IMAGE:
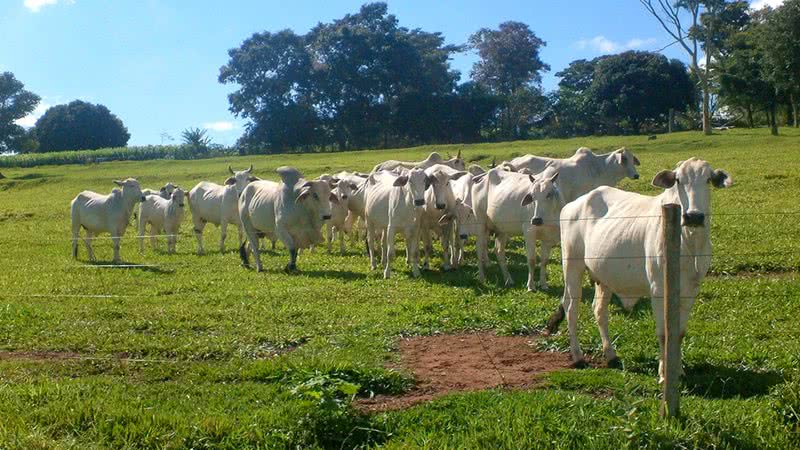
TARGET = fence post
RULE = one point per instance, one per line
(672, 296)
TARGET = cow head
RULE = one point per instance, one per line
(439, 177)
(240, 178)
(464, 217)
(317, 196)
(545, 198)
(131, 189)
(177, 196)
(456, 163)
(627, 162)
(691, 181)
(417, 181)
(166, 191)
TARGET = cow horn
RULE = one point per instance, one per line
(230, 170)
(250, 169)
(458, 156)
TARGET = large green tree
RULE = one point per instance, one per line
(780, 45)
(510, 66)
(15, 103)
(79, 125)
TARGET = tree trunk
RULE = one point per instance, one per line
(749, 112)
(707, 89)
(793, 100)
(671, 120)
(773, 123)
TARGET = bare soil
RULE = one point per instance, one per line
(467, 362)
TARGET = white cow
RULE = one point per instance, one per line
(601, 233)
(165, 192)
(164, 216)
(439, 213)
(456, 163)
(583, 171)
(212, 203)
(394, 204)
(293, 210)
(343, 189)
(98, 213)
(513, 204)
(466, 221)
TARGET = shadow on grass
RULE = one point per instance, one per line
(720, 382)
(152, 268)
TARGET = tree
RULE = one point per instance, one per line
(79, 125)
(510, 66)
(15, 103)
(196, 137)
(780, 45)
(640, 87)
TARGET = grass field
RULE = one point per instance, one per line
(194, 351)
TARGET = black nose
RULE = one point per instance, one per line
(636, 177)
(694, 219)
(143, 199)
(419, 202)
(344, 197)
(537, 221)
(438, 206)
(463, 236)
(326, 217)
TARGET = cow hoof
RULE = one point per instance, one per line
(290, 268)
(531, 288)
(614, 363)
(580, 364)
(544, 286)
(555, 320)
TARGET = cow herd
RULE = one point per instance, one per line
(613, 234)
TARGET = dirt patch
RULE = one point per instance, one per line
(38, 356)
(467, 362)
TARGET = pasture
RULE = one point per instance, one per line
(196, 351)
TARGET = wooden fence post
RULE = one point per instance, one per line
(672, 296)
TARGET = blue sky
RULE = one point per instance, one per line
(155, 63)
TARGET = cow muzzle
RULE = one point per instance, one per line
(143, 199)
(420, 202)
(635, 176)
(537, 221)
(694, 219)
(463, 236)
(326, 217)
(344, 197)
(440, 206)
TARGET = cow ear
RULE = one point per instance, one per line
(721, 179)
(527, 200)
(353, 186)
(333, 198)
(230, 181)
(252, 178)
(636, 161)
(119, 183)
(304, 193)
(334, 182)
(400, 181)
(664, 179)
(532, 178)
(457, 175)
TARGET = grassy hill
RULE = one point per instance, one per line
(194, 351)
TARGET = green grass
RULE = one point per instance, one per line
(222, 357)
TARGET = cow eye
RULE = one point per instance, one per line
(316, 197)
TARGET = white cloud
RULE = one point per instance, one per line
(30, 120)
(219, 126)
(36, 5)
(758, 4)
(604, 45)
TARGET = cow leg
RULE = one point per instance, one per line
(500, 242)
(389, 251)
(412, 240)
(288, 241)
(342, 236)
(573, 289)
(329, 236)
(371, 236)
(87, 240)
(198, 233)
(482, 250)
(115, 239)
(223, 230)
(427, 247)
(530, 252)
(657, 304)
(544, 260)
(141, 231)
(446, 254)
(154, 231)
(602, 297)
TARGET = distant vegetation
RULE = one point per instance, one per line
(112, 154)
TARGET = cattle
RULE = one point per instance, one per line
(163, 216)
(466, 220)
(343, 189)
(213, 203)
(475, 169)
(513, 204)
(439, 213)
(165, 192)
(583, 171)
(98, 213)
(434, 158)
(293, 210)
(394, 204)
(617, 237)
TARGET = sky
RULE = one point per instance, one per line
(155, 63)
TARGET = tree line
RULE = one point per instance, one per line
(365, 81)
